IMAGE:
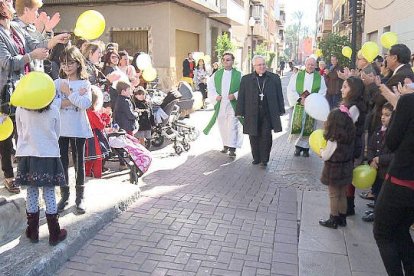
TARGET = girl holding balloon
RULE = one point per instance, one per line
(339, 163)
(379, 156)
(353, 99)
(40, 166)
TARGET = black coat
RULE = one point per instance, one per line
(146, 118)
(124, 114)
(400, 139)
(248, 102)
(378, 147)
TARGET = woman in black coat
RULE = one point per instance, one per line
(394, 209)
(260, 102)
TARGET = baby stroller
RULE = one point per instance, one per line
(167, 129)
(131, 152)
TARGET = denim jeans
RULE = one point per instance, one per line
(78, 156)
(394, 214)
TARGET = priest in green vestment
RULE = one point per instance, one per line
(300, 86)
(222, 91)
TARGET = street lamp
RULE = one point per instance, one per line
(252, 22)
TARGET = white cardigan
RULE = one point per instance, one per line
(74, 120)
(38, 132)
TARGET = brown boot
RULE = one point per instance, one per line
(56, 234)
(32, 230)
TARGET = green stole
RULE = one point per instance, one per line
(234, 87)
(299, 109)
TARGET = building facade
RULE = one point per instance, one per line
(342, 19)
(324, 16)
(168, 30)
(384, 15)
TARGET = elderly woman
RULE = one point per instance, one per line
(17, 49)
(322, 68)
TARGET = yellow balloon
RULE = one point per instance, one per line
(90, 25)
(389, 39)
(6, 127)
(78, 32)
(149, 74)
(347, 51)
(370, 51)
(363, 176)
(318, 52)
(34, 91)
(317, 141)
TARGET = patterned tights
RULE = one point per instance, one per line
(32, 201)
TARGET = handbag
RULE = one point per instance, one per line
(6, 93)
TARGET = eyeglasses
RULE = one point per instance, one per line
(68, 64)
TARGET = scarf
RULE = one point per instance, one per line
(234, 87)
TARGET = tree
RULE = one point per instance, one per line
(223, 45)
(298, 15)
(269, 56)
(291, 40)
(332, 45)
(261, 50)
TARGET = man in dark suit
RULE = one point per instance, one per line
(260, 103)
(398, 61)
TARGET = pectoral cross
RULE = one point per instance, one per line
(261, 95)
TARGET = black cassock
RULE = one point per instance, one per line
(260, 102)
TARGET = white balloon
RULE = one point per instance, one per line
(198, 100)
(197, 56)
(317, 106)
(144, 61)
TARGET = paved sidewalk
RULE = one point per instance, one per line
(209, 216)
(349, 250)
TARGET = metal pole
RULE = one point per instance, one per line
(251, 50)
(354, 30)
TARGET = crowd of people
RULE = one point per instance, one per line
(98, 91)
(371, 120)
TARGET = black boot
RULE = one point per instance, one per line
(64, 196)
(305, 152)
(332, 222)
(297, 151)
(56, 235)
(232, 152)
(350, 209)
(225, 149)
(32, 230)
(342, 220)
(80, 200)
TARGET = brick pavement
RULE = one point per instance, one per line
(217, 218)
(207, 215)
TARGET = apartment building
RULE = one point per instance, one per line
(324, 16)
(169, 29)
(384, 15)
